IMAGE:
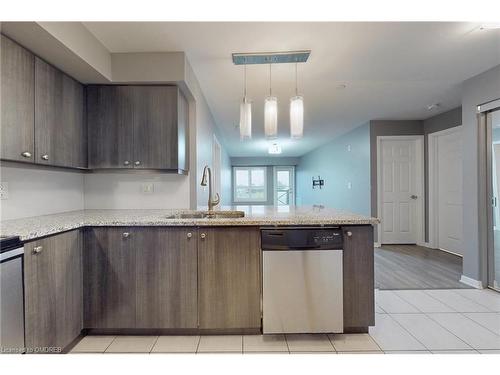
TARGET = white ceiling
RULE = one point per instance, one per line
(392, 70)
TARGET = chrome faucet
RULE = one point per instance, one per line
(207, 180)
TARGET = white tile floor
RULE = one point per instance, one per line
(409, 321)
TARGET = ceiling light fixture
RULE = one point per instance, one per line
(433, 106)
(274, 149)
(490, 26)
(271, 112)
(245, 113)
(296, 112)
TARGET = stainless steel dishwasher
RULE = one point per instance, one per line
(302, 280)
(11, 296)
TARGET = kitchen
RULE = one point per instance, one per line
(150, 205)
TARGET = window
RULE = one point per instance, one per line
(249, 184)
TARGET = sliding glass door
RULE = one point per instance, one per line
(284, 186)
(493, 139)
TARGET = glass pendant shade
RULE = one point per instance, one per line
(271, 117)
(245, 119)
(297, 117)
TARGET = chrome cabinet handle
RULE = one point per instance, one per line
(26, 154)
(203, 236)
(45, 157)
(137, 162)
(348, 233)
(189, 235)
(126, 234)
(126, 162)
(37, 249)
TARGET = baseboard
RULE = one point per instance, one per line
(376, 244)
(471, 282)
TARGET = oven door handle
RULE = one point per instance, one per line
(4, 257)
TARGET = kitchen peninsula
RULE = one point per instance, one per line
(145, 271)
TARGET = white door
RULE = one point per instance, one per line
(449, 179)
(284, 186)
(399, 190)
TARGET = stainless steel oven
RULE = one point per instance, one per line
(302, 280)
(11, 296)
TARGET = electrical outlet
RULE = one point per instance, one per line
(4, 190)
(148, 188)
(348, 148)
(349, 185)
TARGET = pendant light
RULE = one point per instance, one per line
(245, 113)
(271, 112)
(296, 112)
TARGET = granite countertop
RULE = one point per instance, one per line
(40, 226)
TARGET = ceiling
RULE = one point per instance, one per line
(391, 70)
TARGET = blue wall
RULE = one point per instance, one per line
(337, 167)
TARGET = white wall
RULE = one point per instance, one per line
(36, 191)
(125, 190)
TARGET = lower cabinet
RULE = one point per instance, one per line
(142, 277)
(53, 291)
(229, 278)
(172, 278)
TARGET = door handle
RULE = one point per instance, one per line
(413, 196)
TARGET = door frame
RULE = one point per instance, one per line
(217, 172)
(419, 169)
(433, 184)
(292, 168)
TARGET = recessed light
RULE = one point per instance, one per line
(432, 106)
(274, 149)
(489, 26)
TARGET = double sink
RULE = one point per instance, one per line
(207, 215)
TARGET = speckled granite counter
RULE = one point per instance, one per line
(39, 226)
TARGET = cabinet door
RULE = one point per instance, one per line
(39, 294)
(17, 102)
(166, 277)
(110, 126)
(53, 290)
(229, 278)
(68, 286)
(155, 127)
(109, 265)
(359, 298)
(60, 132)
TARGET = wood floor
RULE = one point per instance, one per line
(416, 267)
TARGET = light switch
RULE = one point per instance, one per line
(4, 190)
(148, 188)
(348, 148)
(349, 185)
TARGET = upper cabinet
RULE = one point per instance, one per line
(17, 102)
(60, 129)
(140, 127)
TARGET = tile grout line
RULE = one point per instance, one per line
(470, 299)
(198, 346)
(446, 329)
(425, 346)
(463, 314)
(331, 343)
(107, 347)
(154, 344)
(286, 342)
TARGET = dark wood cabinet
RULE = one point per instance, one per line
(53, 291)
(109, 118)
(359, 298)
(60, 129)
(142, 127)
(140, 278)
(17, 102)
(109, 269)
(229, 278)
(166, 278)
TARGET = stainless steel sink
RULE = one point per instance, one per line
(207, 215)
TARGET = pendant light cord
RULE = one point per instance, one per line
(296, 84)
(270, 81)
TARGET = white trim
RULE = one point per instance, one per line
(376, 244)
(419, 169)
(488, 106)
(217, 171)
(471, 282)
(433, 182)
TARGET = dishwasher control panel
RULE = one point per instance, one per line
(302, 238)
